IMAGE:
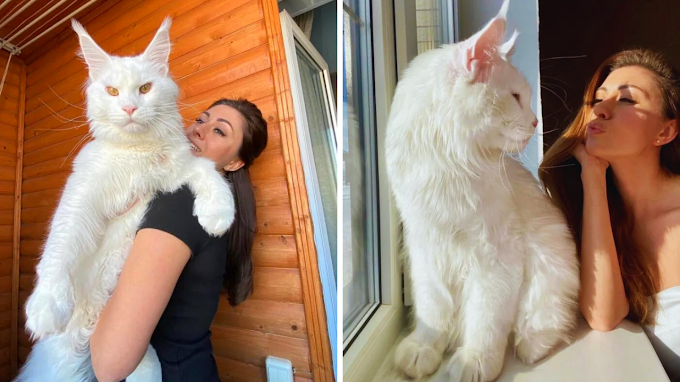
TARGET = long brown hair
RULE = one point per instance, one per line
(238, 276)
(560, 174)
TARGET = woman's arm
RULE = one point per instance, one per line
(603, 299)
(146, 283)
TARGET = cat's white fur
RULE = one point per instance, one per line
(489, 254)
(92, 230)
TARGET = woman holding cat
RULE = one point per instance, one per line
(622, 201)
(169, 288)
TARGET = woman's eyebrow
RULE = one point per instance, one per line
(227, 122)
(623, 87)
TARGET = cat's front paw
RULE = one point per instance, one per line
(48, 310)
(532, 347)
(415, 359)
(215, 215)
(466, 366)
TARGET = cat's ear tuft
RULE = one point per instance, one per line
(158, 50)
(96, 58)
(508, 48)
(483, 48)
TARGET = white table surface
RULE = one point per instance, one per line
(622, 355)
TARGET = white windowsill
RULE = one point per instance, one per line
(373, 343)
(622, 355)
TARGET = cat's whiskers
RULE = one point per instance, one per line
(562, 57)
(59, 116)
(557, 166)
(163, 128)
(65, 101)
(563, 101)
(66, 128)
(75, 148)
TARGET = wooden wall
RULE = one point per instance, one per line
(10, 99)
(220, 49)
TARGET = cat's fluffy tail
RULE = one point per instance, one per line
(52, 360)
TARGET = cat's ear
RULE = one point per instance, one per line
(158, 50)
(97, 60)
(508, 48)
(483, 47)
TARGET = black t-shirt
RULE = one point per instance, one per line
(182, 336)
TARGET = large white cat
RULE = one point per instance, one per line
(138, 149)
(488, 253)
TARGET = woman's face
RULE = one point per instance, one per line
(217, 134)
(627, 116)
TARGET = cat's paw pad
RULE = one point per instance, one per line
(416, 360)
(215, 216)
(48, 311)
(533, 348)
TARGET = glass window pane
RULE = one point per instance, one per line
(433, 24)
(360, 270)
(323, 143)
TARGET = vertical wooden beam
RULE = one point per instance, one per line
(17, 222)
(315, 314)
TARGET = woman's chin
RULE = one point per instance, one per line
(595, 148)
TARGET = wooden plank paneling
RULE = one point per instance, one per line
(252, 347)
(11, 125)
(220, 50)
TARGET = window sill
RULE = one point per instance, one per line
(624, 354)
(372, 345)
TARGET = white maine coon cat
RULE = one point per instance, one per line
(139, 149)
(489, 254)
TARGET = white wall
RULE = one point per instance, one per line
(523, 16)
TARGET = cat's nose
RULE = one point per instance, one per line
(535, 122)
(130, 109)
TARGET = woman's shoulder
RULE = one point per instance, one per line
(172, 212)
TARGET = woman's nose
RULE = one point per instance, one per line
(198, 132)
(601, 110)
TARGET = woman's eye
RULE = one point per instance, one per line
(218, 131)
(198, 120)
(628, 100)
(516, 96)
(595, 102)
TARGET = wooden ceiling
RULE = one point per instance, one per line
(26, 19)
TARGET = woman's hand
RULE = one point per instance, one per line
(592, 167)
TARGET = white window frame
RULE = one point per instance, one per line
(393, 48)
(363, 357)
(291, 34)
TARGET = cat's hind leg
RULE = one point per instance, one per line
(548, 305)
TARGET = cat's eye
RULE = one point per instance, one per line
(111, 90)
(145, 88)
(516, 95)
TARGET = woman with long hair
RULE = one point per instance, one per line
(169, 287)
(614, 174)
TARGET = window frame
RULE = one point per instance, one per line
(373, 343)
(292, 34)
